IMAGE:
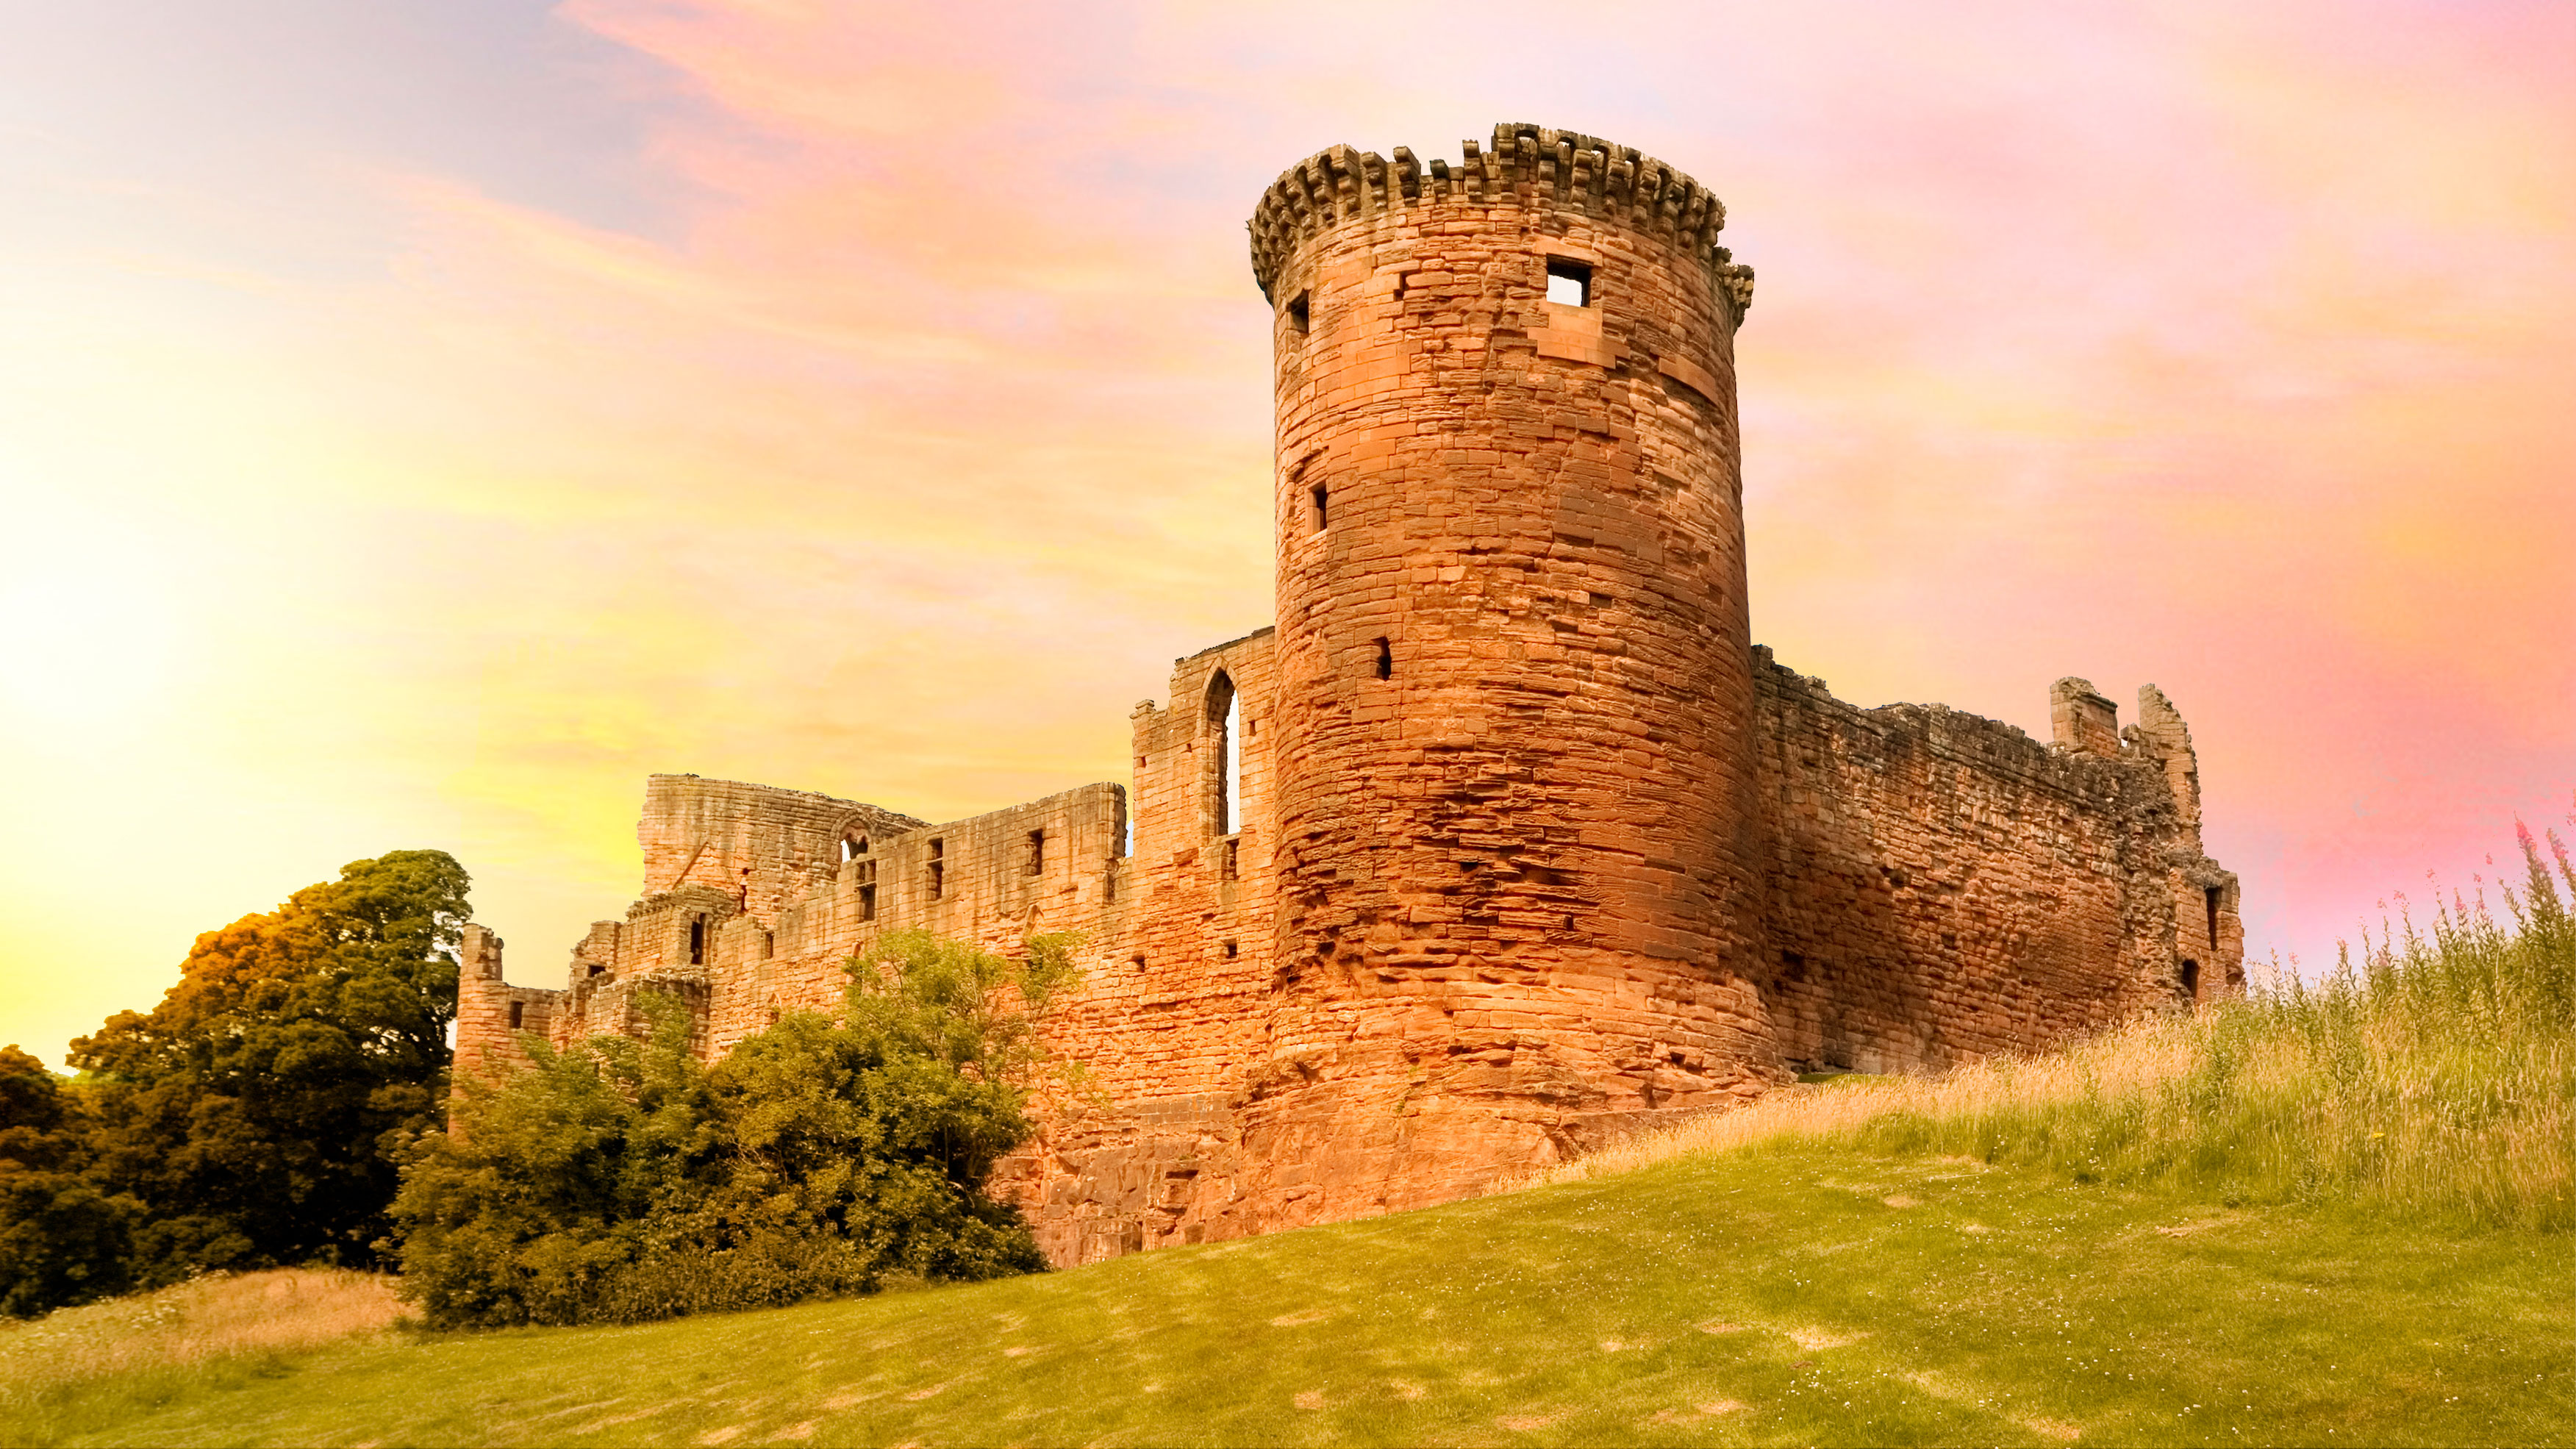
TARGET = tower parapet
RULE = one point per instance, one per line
(1524, 165)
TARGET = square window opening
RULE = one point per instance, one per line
(1322, 516)
(1569, 282)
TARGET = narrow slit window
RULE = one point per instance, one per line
(1385, 660)
(1233, 868)
(1322, 514)
(1300, 314)
(1569, 282)
(938, 868)
(1037, 852)
(2211, 895)
(697, 940)
(518, 1015)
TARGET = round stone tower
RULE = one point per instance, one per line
(1518, 843)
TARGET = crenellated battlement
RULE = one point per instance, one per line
(1524, 165)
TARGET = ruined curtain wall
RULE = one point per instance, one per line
(1944, 887)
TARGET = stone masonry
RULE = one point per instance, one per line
(1507, 840)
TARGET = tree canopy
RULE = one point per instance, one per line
(253, 1114)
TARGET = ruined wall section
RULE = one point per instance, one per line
(491, 1013)
(765, 846)
(1944, 887)
(1175, 1006)
(993, 879)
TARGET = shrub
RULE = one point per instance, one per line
(621, 1180)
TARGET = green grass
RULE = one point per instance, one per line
(1782, 1294)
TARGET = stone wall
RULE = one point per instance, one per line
(767, 845)
(1943, 887)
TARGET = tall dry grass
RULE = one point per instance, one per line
(197, 1325)
(2433, 1072)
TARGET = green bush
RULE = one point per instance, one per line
(622, 1180)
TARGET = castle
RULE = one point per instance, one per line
(1506, 840)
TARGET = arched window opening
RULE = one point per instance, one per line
(1225, 756)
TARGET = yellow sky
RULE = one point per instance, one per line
(415, 430)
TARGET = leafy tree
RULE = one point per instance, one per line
(255, 1112)
(62, 1239)
(622, 1180)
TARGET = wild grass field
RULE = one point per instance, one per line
(2339, 1212)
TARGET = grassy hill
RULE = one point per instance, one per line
(1791, 1294)
(2341, 1212)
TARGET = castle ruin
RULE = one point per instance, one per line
(1506, 840)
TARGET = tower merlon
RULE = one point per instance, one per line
(2082, 720)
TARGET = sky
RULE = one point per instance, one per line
(420, 422)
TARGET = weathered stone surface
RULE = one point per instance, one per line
(1533, 847)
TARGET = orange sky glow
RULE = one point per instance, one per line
(417, 428)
